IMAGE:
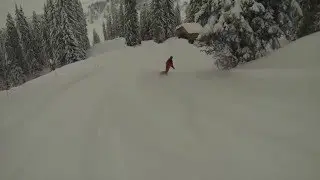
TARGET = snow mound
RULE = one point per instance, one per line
(191, 27)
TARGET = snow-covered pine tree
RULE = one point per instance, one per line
(2, 59)
(287, 13)
(239, 31)
(205, 12)
(3, 36)
(193, 7)
(145, 23)
(266, 30)
(306, 21)
(112, 9)
(96, 38)
(131, 23)
(51, 5)
(66, 47)
(115, 19)
(316, 21)
(2, 41)
(121, 20)
(109, 28)
(311, 20)
(158, 31)
(27, 41)
(104, 30)
(79, 27)
(177, 14)
(38, 39)
(12, 30)
(82, 26)
(47, 16)
(169, 18)
(13, 72)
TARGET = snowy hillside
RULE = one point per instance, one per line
(113, 117)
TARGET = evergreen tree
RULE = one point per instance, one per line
(131, 23)
(13, 47)
(316, 21)
(3, 36)
(82, 26)
(2, 48)
(177, 14)
(311, 20)
(13, 73)
(27, 40)
(47, 29)
(117, 23)
(121, 20)
(79, 27)
(38, 39)
(158, 31)
(145, 23)
(193, 7)
(2, 57)
(109, 28)
(169, 18)
(115, 19)
(104, 30)
(287, 14)
(96, 38)
(238, 32)
(203, 15)
(66, 47)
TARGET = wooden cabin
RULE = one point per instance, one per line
(189, 31)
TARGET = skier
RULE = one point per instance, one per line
(169, 64)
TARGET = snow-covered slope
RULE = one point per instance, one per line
(113, 117)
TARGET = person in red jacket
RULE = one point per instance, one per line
(169, 64)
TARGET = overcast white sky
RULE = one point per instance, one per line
(28, 6)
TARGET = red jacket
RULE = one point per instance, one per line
(169, 64)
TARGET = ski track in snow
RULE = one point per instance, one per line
(113, 117)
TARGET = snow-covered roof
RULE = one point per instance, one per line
(191, 27)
